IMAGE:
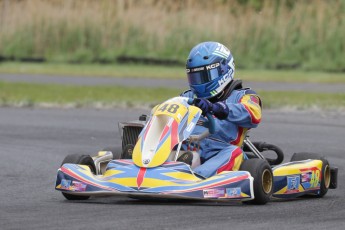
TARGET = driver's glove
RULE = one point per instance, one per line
(218, 109)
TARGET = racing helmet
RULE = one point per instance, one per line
(210, 68)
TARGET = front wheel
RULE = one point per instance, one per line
(261, 171)
(325, 171)
(81, 160)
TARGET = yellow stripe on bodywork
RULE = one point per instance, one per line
(244, 194)
(111, 172)
(147, 182)
(182, 176)
(293, 169)
(161, 155)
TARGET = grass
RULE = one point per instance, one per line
(305, 35)
(93, 70)
(145, 71)
(24, 94)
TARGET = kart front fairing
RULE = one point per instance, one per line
(171, 123)
(172, 180)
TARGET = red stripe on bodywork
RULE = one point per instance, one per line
(147, 129)
(309, 169)
(126, 161)
(76, 176)
(174, 134)
(231, 180)
(165, 131)
(140, 177)
(230, 164)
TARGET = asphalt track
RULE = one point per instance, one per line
(166, 83)
(33, 142)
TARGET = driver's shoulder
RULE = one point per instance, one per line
(245, 91)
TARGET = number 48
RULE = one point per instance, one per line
(171, 108)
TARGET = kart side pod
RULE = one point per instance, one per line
(304, 177)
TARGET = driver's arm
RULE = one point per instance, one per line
(247, 112)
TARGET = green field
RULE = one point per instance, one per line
(26, 94)
(262, 34)
(133, 70)
(23, 94)
(271, 41)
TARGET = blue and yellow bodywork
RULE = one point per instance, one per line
(150, 173)
(298, 178)
(171, 180)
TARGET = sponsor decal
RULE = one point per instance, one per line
(213, 193)
(73, 185)
(306, 177)
(202, 68)
(225, 78)
(233, 192)
(78, 186)
(310, 178)
(293, 183)
(65, 184)
(212, 66)
(197, 69)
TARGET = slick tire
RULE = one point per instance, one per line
(117, 151)
(82, 160)
(261, 171)
(325, 171)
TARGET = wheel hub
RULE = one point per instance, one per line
(267, 181)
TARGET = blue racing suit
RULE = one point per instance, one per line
(222, 151)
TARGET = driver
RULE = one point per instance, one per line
(210, 70)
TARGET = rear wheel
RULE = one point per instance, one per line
(261, 171)
(81, 160)
(325, 171)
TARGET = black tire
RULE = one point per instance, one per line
(325, 171)
(127, 152)
(261, 171)
(82, 160)
(263, 147)
(117, 152)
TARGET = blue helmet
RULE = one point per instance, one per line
(210, 68)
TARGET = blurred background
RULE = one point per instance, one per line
(261, 34)
(271, 40)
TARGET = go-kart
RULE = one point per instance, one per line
(147, 165)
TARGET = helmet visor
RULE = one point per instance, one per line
(203, 74)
